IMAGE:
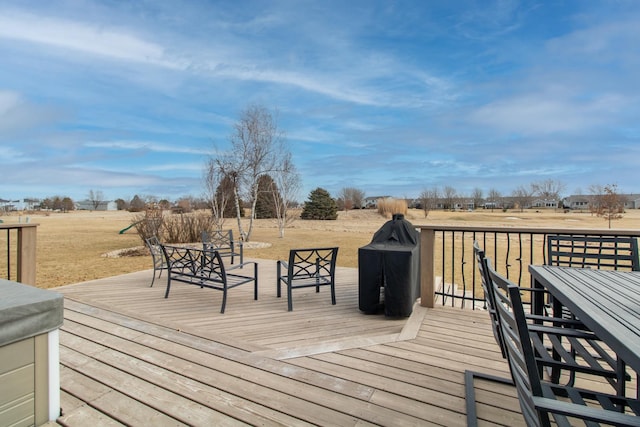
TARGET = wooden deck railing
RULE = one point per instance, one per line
(448, 270)
(19, 261)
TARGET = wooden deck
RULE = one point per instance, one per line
(129, 356)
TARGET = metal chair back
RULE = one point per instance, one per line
(159, 260)
(601, 252)
(488, 294)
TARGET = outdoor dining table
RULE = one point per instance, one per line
(606, 301)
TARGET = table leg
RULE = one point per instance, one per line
(537, 299)
(621, 377)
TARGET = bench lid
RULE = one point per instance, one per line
(27, 311)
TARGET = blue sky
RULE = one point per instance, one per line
(391, 97)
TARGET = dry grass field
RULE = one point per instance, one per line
(73, 247)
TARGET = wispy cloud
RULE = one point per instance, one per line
(542, 114)
(148, 146)
(19, 115)
(77, 36)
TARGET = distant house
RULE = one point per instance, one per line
(465, 205)
(372, 202)
(31, 204)
(577, 202)
(88, 205)
(545, 203)
(632, 201)
(5, 205)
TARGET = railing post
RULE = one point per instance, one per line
(27, 254)
(427, 267)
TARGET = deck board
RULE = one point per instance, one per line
(129, 355)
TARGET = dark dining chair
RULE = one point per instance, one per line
(601, 252)
(307, 268)
(469, 375)
(540, 401)
(558, 344)
(486, 281)
(554, 340)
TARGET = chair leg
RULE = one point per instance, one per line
(333, 293)
(224, 301)
(470, 393)
(255, 281)
(166, 294)
(278, 277)
(289, 297)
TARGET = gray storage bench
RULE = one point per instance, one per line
(29, 354)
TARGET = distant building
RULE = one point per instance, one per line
(8, 205)
(579, 202)
(31, 204)
(544, 203)
(88, 205)
(372, 202)
(583, 202)
(632, 201)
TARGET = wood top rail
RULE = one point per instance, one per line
(428, 240)
(26, 251)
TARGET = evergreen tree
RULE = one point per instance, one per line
(225, 189)
(320, 206)
(267, 196)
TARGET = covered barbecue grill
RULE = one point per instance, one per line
(389, 269)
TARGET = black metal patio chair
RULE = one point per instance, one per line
(308, 268)
(159, 260)
(223, 242)
(541, 400)
(561, 344)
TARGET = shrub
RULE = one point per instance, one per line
(186, 228)
(179, 228)
(148, 225)
(389, 206)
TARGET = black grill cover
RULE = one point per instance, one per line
(391, 261)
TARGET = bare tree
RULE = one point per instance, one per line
(358, 197)
(595, 202)
(213, 176)
(477, 196)
(351, 198)
(67, 204)
(96, 198)
(612, 204)
(257, 144)
(287, 182)
(494, 199)
(450, 197)
(523, 196)
(549, 190)
(429, 199)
